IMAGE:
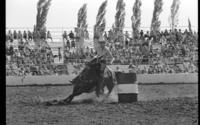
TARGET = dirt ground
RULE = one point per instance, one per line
(157, 105)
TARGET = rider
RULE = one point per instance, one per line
(107, 58)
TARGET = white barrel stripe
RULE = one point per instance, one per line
(127, 88)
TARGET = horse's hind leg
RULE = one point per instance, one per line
(68, 99)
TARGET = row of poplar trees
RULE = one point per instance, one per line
(118, 25)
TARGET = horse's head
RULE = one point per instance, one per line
(95, 63)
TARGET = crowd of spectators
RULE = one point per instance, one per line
(27, 35)
(166, 52)
(23, 58)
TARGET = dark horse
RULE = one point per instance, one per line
(90, 80)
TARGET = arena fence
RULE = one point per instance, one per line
(149, 79)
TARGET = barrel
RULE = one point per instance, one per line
(127, 87)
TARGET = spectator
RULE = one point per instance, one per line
(59, 54)
(68, 44)
(73, 44)
(10, 35)
(65, 36)
(49, 35)
(30, 35)
(43, 35)
(171, 50)
(147, 35)
(25, 35)
(71, 35)
(19, 35)
(141, 34)
(15, 34)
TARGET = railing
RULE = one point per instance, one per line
(57, 32)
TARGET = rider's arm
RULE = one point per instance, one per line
(110, 57)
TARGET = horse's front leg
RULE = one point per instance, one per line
(68, 99)
(99, 88)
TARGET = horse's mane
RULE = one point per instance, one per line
(88, 72)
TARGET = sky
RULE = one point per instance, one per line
(63, 13)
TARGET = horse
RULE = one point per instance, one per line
(89, 80)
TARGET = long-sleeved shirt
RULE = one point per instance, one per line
(106, 53)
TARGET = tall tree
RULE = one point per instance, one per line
(155, 23)
(100, 25)
(42, 11)
(81, 26)
(40, 27)
(119, 20)
(82, 16)
(173, 19)
(136, 19)
(189, 26)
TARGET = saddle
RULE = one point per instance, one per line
(108, 72)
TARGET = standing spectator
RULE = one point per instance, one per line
(141, 34)
(68, 44)
(64, 36)
(126, 39)
(71, 35)
(59, 54)
(30, 35)
(19, 35)
(10, 35)
(11, 50)
(15, 34)
(179, 35)
(25, 35)
(49, 35)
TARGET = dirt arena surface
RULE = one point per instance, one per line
(158, 105)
